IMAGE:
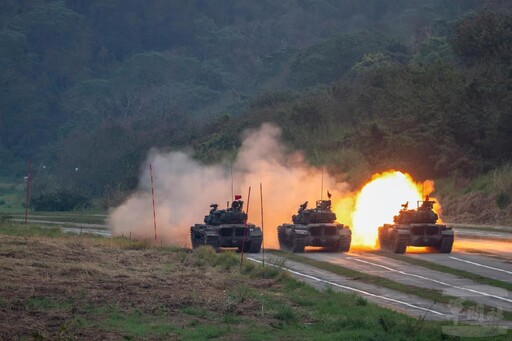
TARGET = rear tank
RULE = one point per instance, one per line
(314, 227)
(417, 227)
(227, 229)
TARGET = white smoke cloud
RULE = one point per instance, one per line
(184, 189)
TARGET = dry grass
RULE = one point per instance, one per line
(47, 284)
(483, 200)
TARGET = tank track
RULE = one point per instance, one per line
(295, 245)
(344, 243)
(255, 247)
(196, 242)
(446, 244)
(280, 238)
(395, 244)
(203, 240)
(250, 247)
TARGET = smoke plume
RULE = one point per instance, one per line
(184, 189)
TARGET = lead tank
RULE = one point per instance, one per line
(227, 228)
(416, 227)
(314, 227)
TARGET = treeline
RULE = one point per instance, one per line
(442, 110)
(88, 87)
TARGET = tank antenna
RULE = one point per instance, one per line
(27, 202)
(231, 166)
(322, 186)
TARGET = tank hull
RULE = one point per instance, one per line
(227, 236)
(396, 237)
(295, 237)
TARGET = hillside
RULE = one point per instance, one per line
(89, 87)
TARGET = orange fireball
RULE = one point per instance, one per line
(381, 199)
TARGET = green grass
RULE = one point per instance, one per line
(131, 325)
(11, 196)
(29, 230)
(85, 217)
(44, 304)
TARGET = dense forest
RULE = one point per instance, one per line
(89, 86)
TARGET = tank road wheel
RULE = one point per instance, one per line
(399, 245)
(297, 245)
(446, 244)
(344, 243)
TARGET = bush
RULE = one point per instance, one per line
(59, 201)
(503, 200)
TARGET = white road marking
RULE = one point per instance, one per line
(351, 288)
(434, 280)
(482, 265)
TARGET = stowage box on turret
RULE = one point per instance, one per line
(416, 227)
(314, 227)
(227, 228)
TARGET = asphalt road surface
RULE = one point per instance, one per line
(488, 258)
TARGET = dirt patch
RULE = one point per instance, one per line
(60, 288)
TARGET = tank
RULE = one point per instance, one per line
(227, 229)
(314, 227)
(416, 227)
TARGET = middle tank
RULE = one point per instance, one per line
(314, 227)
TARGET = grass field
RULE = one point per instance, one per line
(11, 197)
(55, 286)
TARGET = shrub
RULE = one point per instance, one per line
(59, 201)
(503, 200)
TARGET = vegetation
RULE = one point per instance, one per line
(88, 87)
(68, 286)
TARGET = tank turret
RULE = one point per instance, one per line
(314, 227)
(424, 214)
(321, 214)
(232, 215)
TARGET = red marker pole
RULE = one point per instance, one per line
(153, 195)
(262, 229)
(245, 228)
(27, 201)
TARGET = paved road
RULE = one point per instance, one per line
(409, 274)
(395, 300)
(484, 266)
(481, 227)
(482, 234)
(408, 304)
(492, 248)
